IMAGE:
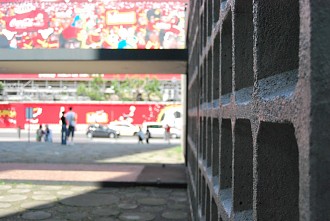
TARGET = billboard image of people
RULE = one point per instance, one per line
(13, 114)
(92, 24)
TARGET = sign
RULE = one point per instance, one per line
(29, 21)
(116, 17)
(29, 113)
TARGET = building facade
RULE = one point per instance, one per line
(258, 110)
(63, 86)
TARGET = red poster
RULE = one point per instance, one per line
(13, 114)
(7, 116)
(30, 21)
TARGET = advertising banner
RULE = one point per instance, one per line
(27, 22)
(93, 24)
(8, 116)
(15, 115)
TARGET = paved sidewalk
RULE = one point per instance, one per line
(90, 181)
(22, 202)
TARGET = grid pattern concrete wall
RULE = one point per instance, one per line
(258, 124)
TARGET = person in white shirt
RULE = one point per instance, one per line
(71, 118)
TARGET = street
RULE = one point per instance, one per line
(80, 137)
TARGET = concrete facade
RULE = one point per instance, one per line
(258, 110)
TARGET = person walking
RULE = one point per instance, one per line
(140, 135)
(167, 133)
(48, 134)
(64, 131)
(39, 133)
(71, 118)
(147, 135)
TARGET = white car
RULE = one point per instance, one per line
(124, 128)
(157, 129)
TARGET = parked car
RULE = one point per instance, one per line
(157, 130)
(124, 128)
(97, 130)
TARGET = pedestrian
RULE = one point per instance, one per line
(147, 135)
(71, 118)
(167, 133)
(140, 135)
(48, 134)
(64, 131)
(39, 133)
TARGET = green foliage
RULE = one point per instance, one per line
(82, 89)
(127, 90)
(96, 95)
(97, 82)
(1, 87)
(152, 87)
(115, 84)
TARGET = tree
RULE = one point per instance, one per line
(152, 88)
(1, 90)
(95, 92)
(82, 90)
(136, 89)
(95, 95)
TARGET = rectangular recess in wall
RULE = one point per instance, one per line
(209, 18)
(201, 84)
(206, 76)
(226, 153)
(192, 163)
(243, 51)
(277, 28)
(204, 196)
(243, 166)
(209, 76)
(226, 59)
(216, 70)
(208, 204)
(200, 33)
(200, 144)
(277, 196)
(203, 138)
(199, 187)
(195, 131)
(215, 151)
(209, 143)
(214, 211)
(205, 34)
(216, 11)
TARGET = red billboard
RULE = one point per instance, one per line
(92, 24)
(13, 114)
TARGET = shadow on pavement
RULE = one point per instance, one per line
(48, 181)
(80, 202)
(81, 153)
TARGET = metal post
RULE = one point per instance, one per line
(29, 131)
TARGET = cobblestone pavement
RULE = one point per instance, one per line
(20, 202)
(43, 196)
